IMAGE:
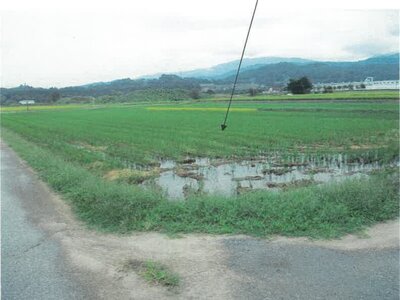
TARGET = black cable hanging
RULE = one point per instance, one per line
(223, 125)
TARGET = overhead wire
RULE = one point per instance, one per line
(223, 125)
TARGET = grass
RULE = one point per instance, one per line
(153, 272)
(157, 273)
(318, 211)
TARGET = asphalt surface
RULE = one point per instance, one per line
(282, 271)
(32, 266)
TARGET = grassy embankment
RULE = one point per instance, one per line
(72, 150)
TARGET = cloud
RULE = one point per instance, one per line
(70, 48)
(368, 49)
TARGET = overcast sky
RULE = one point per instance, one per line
(72, 48)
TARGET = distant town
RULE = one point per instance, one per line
(368, 84)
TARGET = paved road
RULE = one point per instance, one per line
(283, 271)
(32, 266)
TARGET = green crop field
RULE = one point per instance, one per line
(39, 107)
(144, 134)
(347, 95)
(75, 151)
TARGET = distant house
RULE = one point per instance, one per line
(27, 102)
(273, 90)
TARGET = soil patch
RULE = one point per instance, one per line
(131, 175)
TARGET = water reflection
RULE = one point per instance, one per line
(230, 178)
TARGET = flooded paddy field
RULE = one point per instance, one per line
(171, 147)
(131, 168)
(181, 179)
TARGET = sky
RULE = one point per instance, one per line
(66, 46)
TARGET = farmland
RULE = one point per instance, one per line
(40, 107)
(346, 95)
(96, 159)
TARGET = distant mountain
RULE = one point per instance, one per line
(225, 69)
(392, 58)
(385, 67)
(279, 69)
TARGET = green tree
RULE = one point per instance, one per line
(210, 92)
(54, 95)
(253, 92)
(299, 86)
(328, 89)
(194, 94)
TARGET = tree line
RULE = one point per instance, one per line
(113, 88)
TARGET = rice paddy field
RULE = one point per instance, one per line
(282, 161)
(22, 108)
(345, 95)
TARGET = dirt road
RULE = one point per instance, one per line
(48, 254)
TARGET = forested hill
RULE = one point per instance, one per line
(167, 83)
(381, 68)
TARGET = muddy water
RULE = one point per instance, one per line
(178, 180)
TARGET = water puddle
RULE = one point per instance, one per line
(203, 175)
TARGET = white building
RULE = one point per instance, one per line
(26, 102)
(367, 84)
(370, 84)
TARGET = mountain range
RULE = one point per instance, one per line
(276, 64)
(263, 71)
(385, 67)
(229, 68)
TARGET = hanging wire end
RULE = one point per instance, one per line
(223, 126)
